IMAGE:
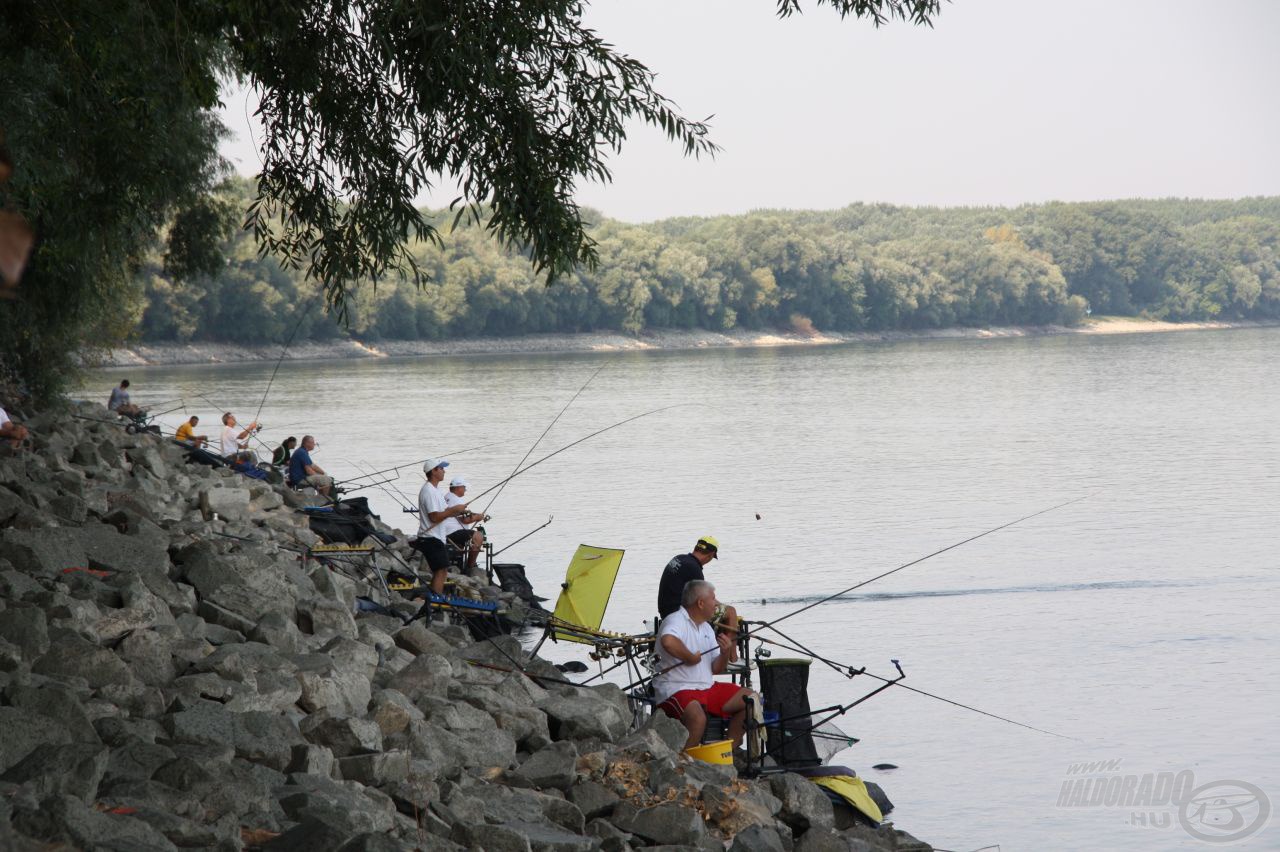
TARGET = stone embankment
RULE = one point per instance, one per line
(173, 676)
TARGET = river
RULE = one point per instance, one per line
(1139, 623)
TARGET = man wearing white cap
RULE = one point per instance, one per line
(432, 513)
(469, 541)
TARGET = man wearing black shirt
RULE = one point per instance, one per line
(684, 568)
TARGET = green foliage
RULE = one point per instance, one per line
(863, 267)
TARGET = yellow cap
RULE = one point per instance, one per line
(709, 542)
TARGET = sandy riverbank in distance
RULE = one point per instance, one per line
(142, 355)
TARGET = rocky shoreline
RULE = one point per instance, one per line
(175, 677)
(156, 354)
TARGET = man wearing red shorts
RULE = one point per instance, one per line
(689, 655)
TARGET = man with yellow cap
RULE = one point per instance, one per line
(685, 568)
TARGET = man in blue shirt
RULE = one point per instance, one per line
(303, 471)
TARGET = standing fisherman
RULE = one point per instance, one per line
(432, 512)
(685, 568)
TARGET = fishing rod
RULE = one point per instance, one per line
(253, 433)
(532, 465)
(305, 313)
(382, 486)
(550, 518)
(851, 672)
(534, 446)
(400, 467)
(856, 586)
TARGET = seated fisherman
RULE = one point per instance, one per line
(303, 471)
(280, 456)
(244, 464)
(690, 653)
(432, 513)
(687, 567)
(469, 541)
(233, 440)
(119, 402)
(186, 433)
(12, 432)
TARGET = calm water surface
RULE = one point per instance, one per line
(1141, 622)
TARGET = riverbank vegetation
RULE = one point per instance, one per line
(864, 267)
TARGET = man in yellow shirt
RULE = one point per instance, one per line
(186, 433)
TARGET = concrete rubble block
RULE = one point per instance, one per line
(257, 737)
(586, 714)
(346, 805)
(67, 820)
(247, 580)
(136, 760)
(245, 661)
(392, 711)
(234, 625)
(68, 769)
(417, 639)
(760, 838)
(71, 656)
(344, 735)
(593, 799)
(552, 766)
(273, 692)
(323, 617)
(231, 504)
(339, 692)
(731, 809)
(451, 750)
(659, 735)
(664, 824)
(456, 715)
(349, 655)
(105, 548)
(42, 553)
(311, 759)
(829, 840)
(142, 610)
(55, 702)
(804, 805)
(274, 629)
(428, 674)
(376, 769)
(151, 656)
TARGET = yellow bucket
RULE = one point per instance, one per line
(720, 751)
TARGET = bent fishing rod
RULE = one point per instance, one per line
(534, 445)
(400, 467)
(938, 552)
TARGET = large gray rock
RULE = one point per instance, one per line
(42, 553)
(392, 711)
(72, 656)
(231, 504)
(67, 820)
(733, 810)
(248, 581)
(428, 674)
(348, 806)
(68, 769)
(257, 737)
(553, 766)
(136, 760)
(339, 692)
(105, 548)
(664, 824)
(804, 805)
(417, 639)
(594, 800)
(759, 838)
(587, 714)
(343, 735)
(376, 770)
(321, 616)
(451, 750)
(27, 628)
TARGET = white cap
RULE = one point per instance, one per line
(458, 482)
(431, 464)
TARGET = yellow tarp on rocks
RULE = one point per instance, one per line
(854, 791)
(588, 583)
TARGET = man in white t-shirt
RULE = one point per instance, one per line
(432, 513)
(234, 439)
(469, 541)
(689, 655)
(12, 432)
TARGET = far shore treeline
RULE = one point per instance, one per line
(865, 267)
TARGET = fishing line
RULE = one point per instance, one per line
(534, 446)
(921, 559)
(532, 465)
(305, 313)
(422, 461)
(850, 671)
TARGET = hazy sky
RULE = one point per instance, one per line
(1002, 102)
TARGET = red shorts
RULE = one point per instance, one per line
(712, 699)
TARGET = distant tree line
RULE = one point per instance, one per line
(865, 267)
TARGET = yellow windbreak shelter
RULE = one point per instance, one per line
(587, 586)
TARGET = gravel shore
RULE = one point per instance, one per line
(155, 354)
